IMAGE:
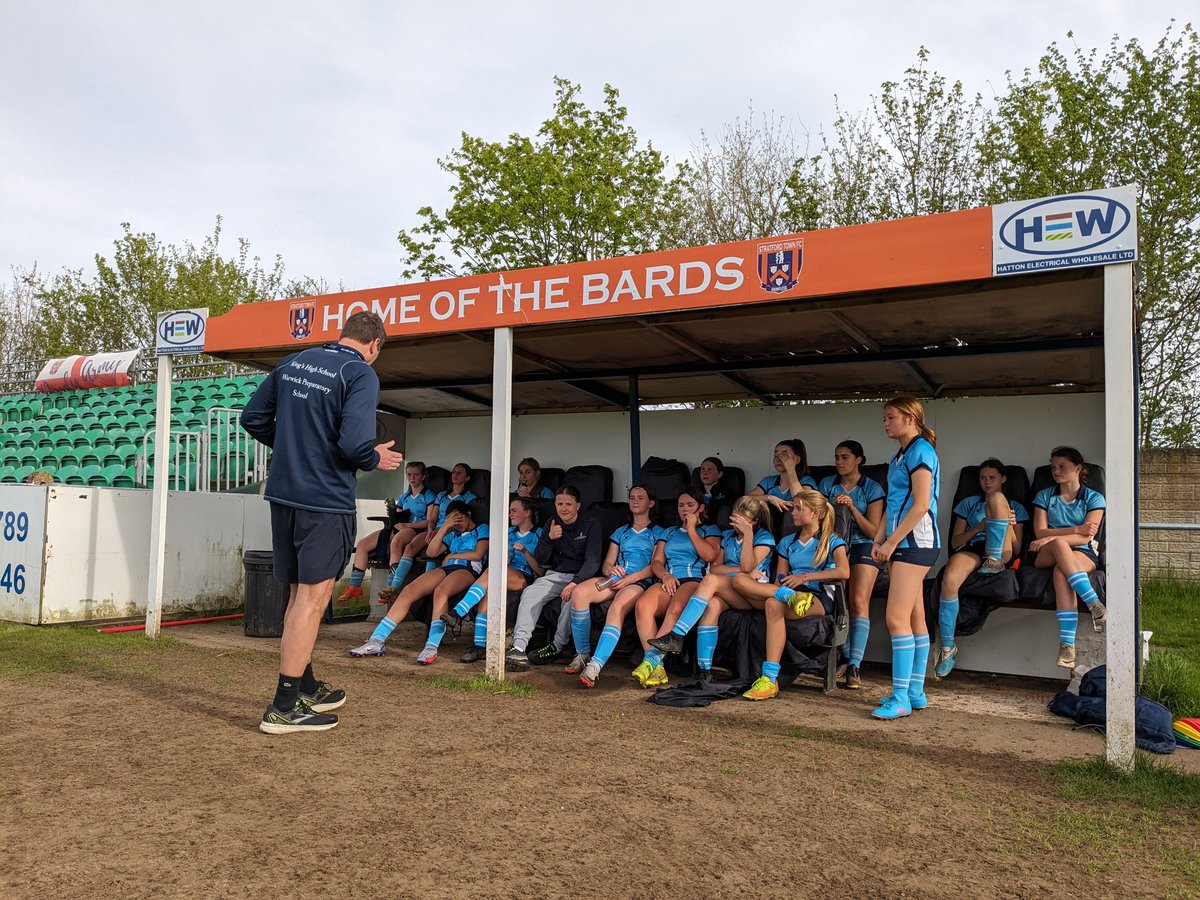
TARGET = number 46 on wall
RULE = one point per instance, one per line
(12, 579)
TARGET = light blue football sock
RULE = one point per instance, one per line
(400, 572)
(691, 614)
(581, 629)
(947, 619)
(770, 671)
(993, 540)
(383, 630)
(470, 600)
(437, 631)
(653, 657)
(916, 682)
(856, 643)
(1068, 622)
(706, 645)
(783, 594)
(607, 644)
(431, 565)
(1082, 586)
(356, 578)
(480, 629)
(903, 650)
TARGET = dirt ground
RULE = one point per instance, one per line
(148, 777)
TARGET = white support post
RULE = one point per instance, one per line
(158, 505)
(1120, 459)
(498, 526)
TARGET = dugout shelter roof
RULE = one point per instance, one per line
(906, 306)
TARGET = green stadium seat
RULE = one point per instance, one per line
(23, 472)
(45, 440)
(29, 458)
(64, 440)
(94, 476)
(118, 476)
(142, 421)
(6, 475)
(47, 453)
(112, 458)
(80, 475)
(120, 441)
(88, 458)
(27, 442)
(68, 458)
(66, 472)
(52, 414)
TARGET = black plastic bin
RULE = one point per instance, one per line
(266, 596)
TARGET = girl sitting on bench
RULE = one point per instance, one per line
(414, 505)
(523, 567)
(809, 559)
(791, 472)
(529, 480)
(1066, 518)
(747, 548)
(987, 535)
(681, 559)
(465, 545)
(863, 499)
(624, 576)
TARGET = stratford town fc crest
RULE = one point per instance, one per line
(300, 318)
(779, 265)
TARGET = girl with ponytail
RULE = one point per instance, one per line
(908, 542)
(810, 559)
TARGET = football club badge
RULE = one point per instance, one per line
(300, 318)
(779, 265)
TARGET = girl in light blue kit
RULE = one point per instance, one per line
(810, 560)
(460, 476)
(465, 545)
(529, 480)
(987, 535)
(415, 503)
(863, 498)
(747, 548)
(907, 541)
(624, 575)
(791, 472)
(523, 567)
(681, 560)
(1066, 518)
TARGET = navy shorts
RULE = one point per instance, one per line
(689, 579)
(860, 555)
(458, 566)
(309, 547)
(1087, 551)
(916, 556)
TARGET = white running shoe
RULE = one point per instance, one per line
(991, 566)
(370, 648)
(428, 655)
(575, 666)
(590, 673)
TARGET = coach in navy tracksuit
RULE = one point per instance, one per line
(316, 410)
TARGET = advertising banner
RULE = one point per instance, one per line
(79, 372)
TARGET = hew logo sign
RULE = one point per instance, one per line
(1090, 229)
(181, 332)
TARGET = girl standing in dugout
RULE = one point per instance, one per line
(987, 535)
(523, 567)
(460, 475)
(747, 547)
(416, 503)
(1066, 519)
(624, 576)
(465, 545)
(681, 559)
(863, 498)
(908, 542)
(810, 560)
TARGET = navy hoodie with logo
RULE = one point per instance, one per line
(316, 410)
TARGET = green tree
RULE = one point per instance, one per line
(116, 307)
(912, 154)
(1130, 116)
(584, 188)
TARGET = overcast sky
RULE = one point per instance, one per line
(314, 128)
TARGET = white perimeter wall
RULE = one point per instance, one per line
(96, 552)
(1018, 430)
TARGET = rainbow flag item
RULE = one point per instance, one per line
(1187, 733)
